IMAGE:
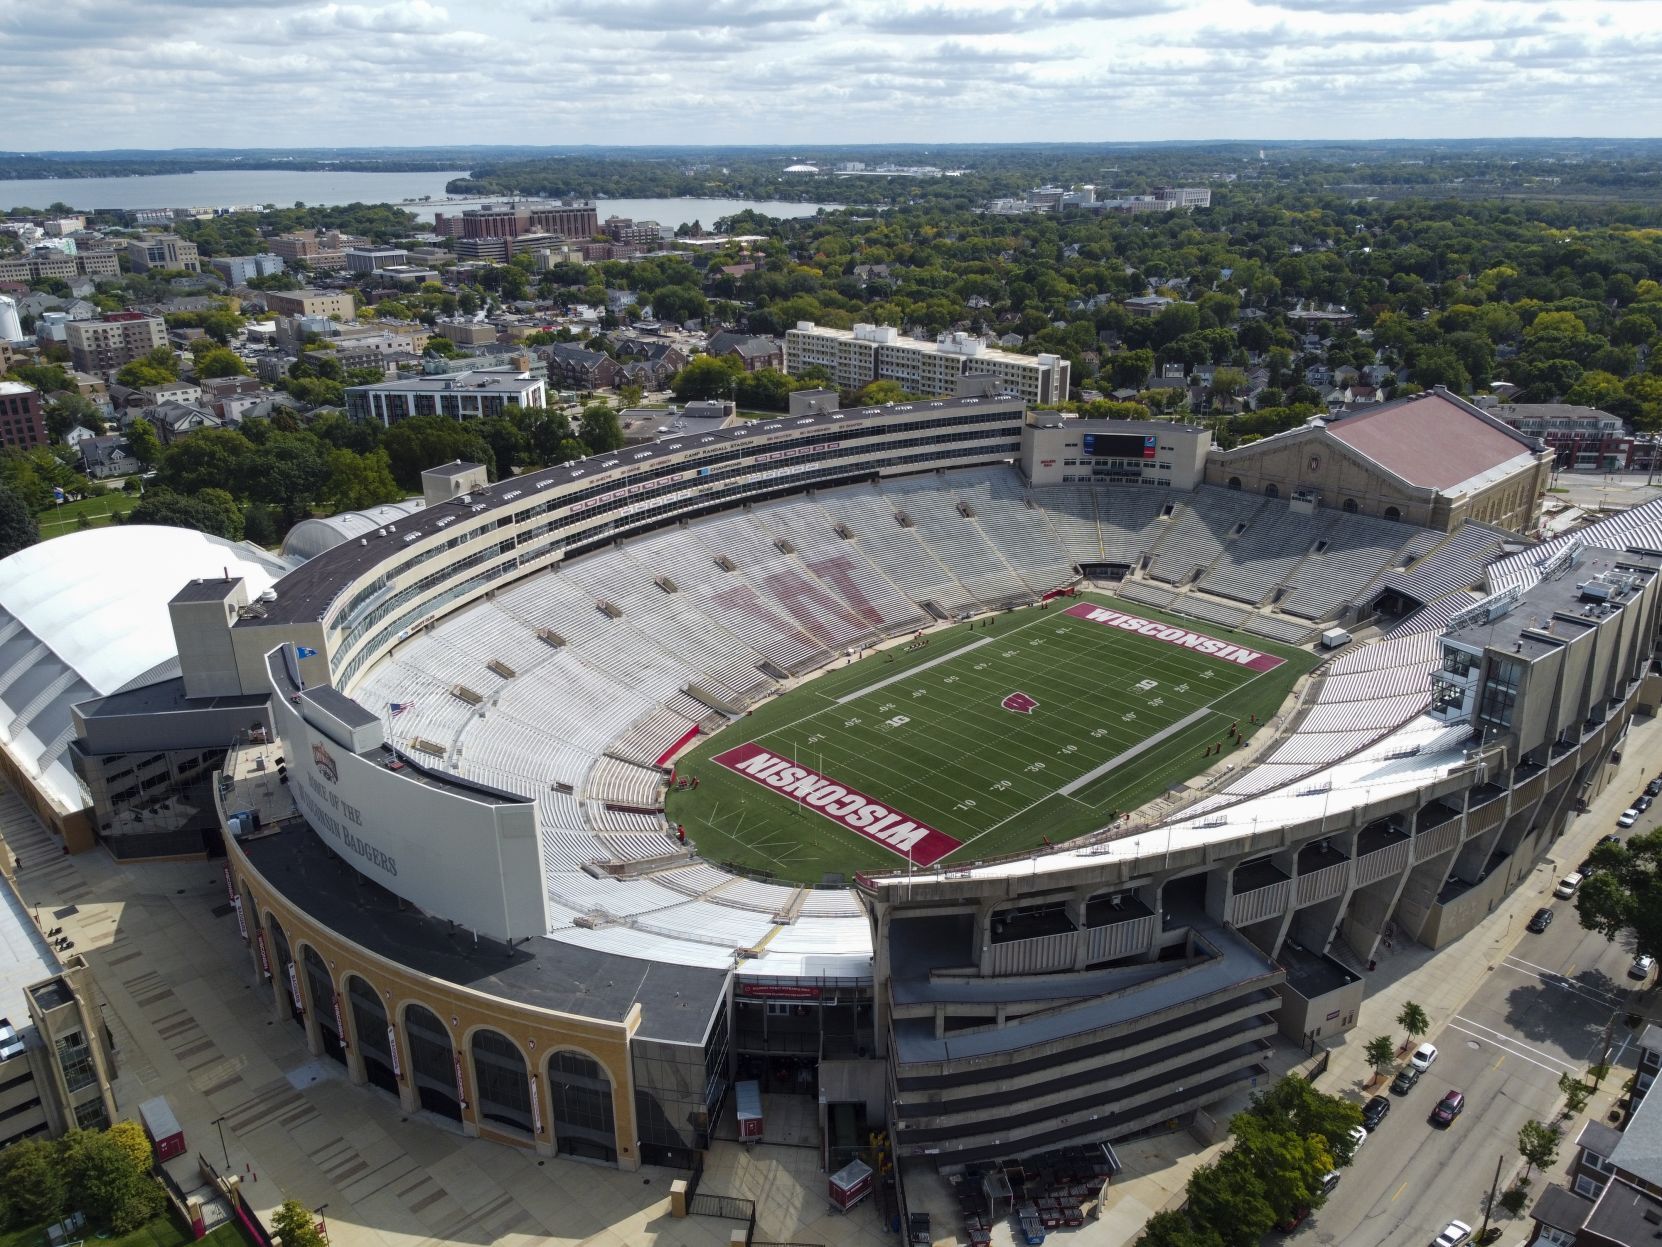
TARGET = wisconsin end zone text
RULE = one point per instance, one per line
(845, 806)
(1199, 642)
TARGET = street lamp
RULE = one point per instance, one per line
(220, 1122)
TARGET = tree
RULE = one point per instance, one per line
(423, 442)
(1624, 893)
(288, 472)
(707, 376)
(156, 368)
(1294, 1105)
(1576, 1093)
(208, 511)
(146, 446)
(70, 411)
(33, 1181)
(1538, 1145)
(599, 429)
(1130, 370)
(679, 304)
(18, 529)
(219, 362)
(1380, 1051)
(1227, 1199)
(1289, 1166)
(107, 1184)
(358, 481)
(877, 393)
(508, 444)
(296, 1225)
(1413, 1020)
(1175, 1228)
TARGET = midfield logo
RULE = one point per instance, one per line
(1021, 703)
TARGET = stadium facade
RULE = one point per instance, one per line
(449, 862)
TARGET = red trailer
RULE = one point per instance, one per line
(850, 1184)
(166, 1135)
(747, 1102)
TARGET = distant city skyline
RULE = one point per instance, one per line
(94, 74)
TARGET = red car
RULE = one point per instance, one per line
(1448, 1108)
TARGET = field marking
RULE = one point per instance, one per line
(1511, 1045)
(1148, 742)
(911, 671)
(1553, 978)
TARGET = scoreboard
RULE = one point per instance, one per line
(1121, 445)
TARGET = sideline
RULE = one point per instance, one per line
(912, 671)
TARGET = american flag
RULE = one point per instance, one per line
(399, 707)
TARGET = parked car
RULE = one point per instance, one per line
(1644, 803)
(1375, 1111)
(1358, 1136)
(1329, 1181)
(1423, 1057)
(1610, 839)
(1642, 965)
(1404, 1082)
(1654, 788)
(1628, 816)
(1567, 886)
(1448, 1108)
(1454, 1233)
(1541, 920)
(1300, 1215)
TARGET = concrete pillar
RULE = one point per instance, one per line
(678, 1198)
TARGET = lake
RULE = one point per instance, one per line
(223, 188)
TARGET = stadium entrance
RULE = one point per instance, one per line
(1105, 571)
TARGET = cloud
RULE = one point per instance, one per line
(677, 15)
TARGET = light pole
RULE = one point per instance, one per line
(220, 1122)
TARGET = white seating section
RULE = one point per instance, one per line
(569, 686)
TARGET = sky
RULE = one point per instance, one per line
(89, 74)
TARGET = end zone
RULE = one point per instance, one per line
(1199, 642)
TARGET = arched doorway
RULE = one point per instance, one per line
(582, 1095)
(1272, 490)
(369, 1025)
(324, 1004)
(432, 1062)
(1350, 506)
(1234, 482)
(286, 974)
(501, 1081)
(1391, 513)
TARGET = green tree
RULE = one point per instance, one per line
(33, 1182)
(599, 430)
(507, 442)
(296, 1225)
(288, 472)
(146, 446)
(204, 460)
(107, 1184)
(1576, 1093)
(1288, 1165)
(1130, 370)
(69, 411)
(1380, 1052)
(1293, 1105)
(156, 368)
(1226, 1198)
(1624, 893)
(209, 511)
(707, 376)
(1175, 1228)
(877, 393)
(423, 442)
(679, 304)
(1413, 1020)
(17, 527)
(358, 481)
(219, 362)
(1538, 1145)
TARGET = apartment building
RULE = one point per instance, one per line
(239, 270)
(21, 423)
(461, 396)
(324, 250)
(623, 229)
(336, 305)
(163, 251)
(1585, 439)
(373, 259)
(50, 262)
(565, 220)
(866, 353)
(111, 341)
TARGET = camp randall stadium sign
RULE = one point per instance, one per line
(850, 809)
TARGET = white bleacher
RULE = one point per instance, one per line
(898, 552)
(1131, 520)
(767, 898)
(1253, 564)
(695, 878)
(956, 539)
(1213, 612)
(623, 783)
(650, 737)
(830, 903)
(838, 564)
(1197, 535)
(708, 923)
(1275, 628)
(1142, 591)
(1073, 515)
(1021, 533)
(1358, 549)
(1457, 564)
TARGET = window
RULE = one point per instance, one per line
(75, 1059)
(91, 1115)
(1594, 1161)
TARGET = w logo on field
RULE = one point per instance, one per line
(1021, 703)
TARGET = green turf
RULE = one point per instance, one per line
(164, 1231)
(55, 521)
(962, 763)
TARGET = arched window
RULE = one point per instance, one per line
(432, 1062)
(1391, 513)
(504, 1086)
(1234, 482)
(369, 1024)
(1272, 490)
(322, 989)
(582, 1095)
(1350, 506)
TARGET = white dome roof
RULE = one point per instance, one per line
(310, 538)
(85, 614)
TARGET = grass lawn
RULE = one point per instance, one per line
(162, 1232)
(1109, 720)
(56, 521)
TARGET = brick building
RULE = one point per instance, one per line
(21, 423)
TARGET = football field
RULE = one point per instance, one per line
(989, 739)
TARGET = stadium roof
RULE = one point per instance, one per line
(1432, 440)
(309, 538)
(84, 615)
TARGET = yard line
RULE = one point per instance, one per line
(1148, 742)
(912, 671)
